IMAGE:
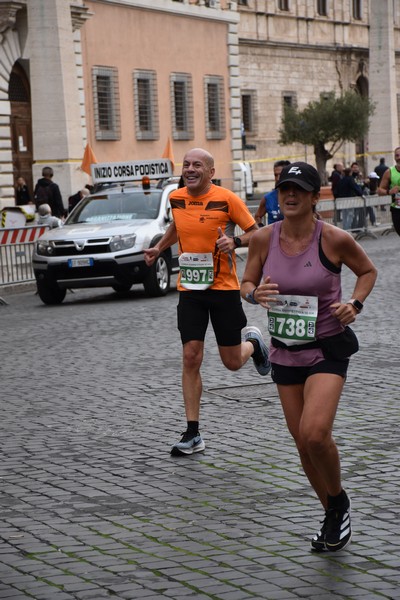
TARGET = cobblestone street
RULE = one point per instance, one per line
(92, 504)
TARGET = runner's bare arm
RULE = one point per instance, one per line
(384, 187)
(169, 238)
(253, 288)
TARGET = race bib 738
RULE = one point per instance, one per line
(292, 319)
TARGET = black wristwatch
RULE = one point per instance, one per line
(237, 241)
(357, 304)
(250, 297)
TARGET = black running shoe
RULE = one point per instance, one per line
(318, 541)
(337, 528)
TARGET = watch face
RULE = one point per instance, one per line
(358, 304)
(238, 241)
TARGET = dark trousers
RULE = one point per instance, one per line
(396, 219)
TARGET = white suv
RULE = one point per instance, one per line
(102, 241)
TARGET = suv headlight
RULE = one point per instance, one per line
(122, 242)
(44, 248)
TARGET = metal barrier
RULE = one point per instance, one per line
(16, 244)
(16, 248)
(355, 214)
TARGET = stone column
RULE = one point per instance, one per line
(9, 52)
(58, 136)
(383, 134)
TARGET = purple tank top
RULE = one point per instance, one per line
(305, 275)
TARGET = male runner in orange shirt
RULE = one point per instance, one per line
(205, 216)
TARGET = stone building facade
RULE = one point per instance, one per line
(294, 51)
(126, 75)
(163, 69)
(123, 75)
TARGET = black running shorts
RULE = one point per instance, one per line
(195, 308)
(283, 375)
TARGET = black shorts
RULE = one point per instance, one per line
(225, 309)
(283, 375)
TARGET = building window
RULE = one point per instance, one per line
(325, 95)
(106, 103)
(283, 4)
(182, 106)
(215, 107)
(248, 116)
(357, 10)
(146, 106)
(243, 2)
(289, 99)
(322, 8)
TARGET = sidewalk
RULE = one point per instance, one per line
(94, 507)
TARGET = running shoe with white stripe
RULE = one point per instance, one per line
(338, 528)
(318, 540)
(335, 533)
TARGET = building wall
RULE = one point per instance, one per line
(255, 48)
(302, 53)
(59, 50)
(168, 38)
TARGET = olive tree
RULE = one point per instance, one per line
(326, 124)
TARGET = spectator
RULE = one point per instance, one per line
(359, 219)
(348, 188)
(381, 168)
(269, 204)
(75, 198)
(48, 192)
(46, 218)
(370, 187)
(22, 195)
(336, 176)
(372, 183)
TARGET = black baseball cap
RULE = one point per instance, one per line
(302, 174)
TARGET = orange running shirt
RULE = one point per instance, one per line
(197, 219)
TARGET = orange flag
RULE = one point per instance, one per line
(169, 153)
(88, 159)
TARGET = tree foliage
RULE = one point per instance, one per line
(326, 124)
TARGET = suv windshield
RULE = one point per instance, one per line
(126, 206)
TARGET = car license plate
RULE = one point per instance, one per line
(80, 262)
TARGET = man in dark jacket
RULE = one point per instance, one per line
(48, 192)
(348, 188)
(381, 168)
(336, 176)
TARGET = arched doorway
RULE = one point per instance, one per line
(21, 125)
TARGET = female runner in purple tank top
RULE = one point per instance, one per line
(293, 270)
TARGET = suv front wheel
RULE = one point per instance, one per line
(50, 294)
(157, 282)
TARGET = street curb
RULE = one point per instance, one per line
(17, 288)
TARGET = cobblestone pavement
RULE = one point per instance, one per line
(92, 504)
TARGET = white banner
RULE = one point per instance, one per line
(131, 171)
